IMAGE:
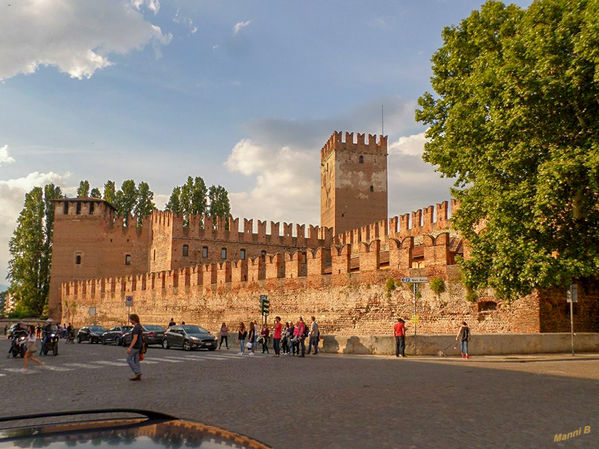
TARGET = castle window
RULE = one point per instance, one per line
(372, 188)
(185, 250)
(78, 210)
(127, 259)
(242, 254)
(361, 159)
(204, 251)
(77, 259)
(154, 254)
(223, 253)
(65, 209)
(91, 208)
(263, 253)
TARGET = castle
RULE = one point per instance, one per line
(209, 271)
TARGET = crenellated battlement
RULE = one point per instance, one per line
(316, 266)
(205, 227)
(422, 221)
(358, 143)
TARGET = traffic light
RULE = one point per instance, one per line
(264, 305)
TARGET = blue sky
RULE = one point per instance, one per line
(242, 93)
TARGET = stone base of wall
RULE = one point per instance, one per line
(496, 344)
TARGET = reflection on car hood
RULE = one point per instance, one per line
(131, 433)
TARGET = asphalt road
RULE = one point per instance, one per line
(328, 401)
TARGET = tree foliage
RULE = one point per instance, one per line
(31, 250)
(83, 190)
(195, 198)
(515, 120)
(219, 202)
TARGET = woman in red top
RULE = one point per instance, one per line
(276, 338)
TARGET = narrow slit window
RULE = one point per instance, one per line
(263, 253)
(223, 253)
(204, 252)
(65, 209)
(372, 188)
(361, 159)
(185, 250)
(91, 208)
(77, 259)
(127, 259)
(78, 210)
(242, 254)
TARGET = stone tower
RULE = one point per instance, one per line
(353, 175)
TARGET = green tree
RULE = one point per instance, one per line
(31, 250)
(83, 190)
(145, 204)
(95, 193)
(174, 202)
(110, 192)
(126, 199)
(219, 202)
(515, 120)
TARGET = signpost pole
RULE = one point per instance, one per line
(572, 326)
(415, 288)
(572, 297)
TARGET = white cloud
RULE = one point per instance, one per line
(75, 36)
(408, 145)
(4, 157)
(12, 195)
(240, 25)
(187, 21)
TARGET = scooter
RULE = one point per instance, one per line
(51, 344)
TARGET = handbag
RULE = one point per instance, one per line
(141, 356)
(248, 345)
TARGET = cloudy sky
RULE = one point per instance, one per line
(243, 93)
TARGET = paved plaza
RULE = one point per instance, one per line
(329, 400)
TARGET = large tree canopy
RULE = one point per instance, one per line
(515, 119)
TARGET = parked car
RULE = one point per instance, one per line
(93, 334)
(104, 429)
(153, 333)
(115, 335)
(188, 337)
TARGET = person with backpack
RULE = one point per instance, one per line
(463, 337)
(313, 336)
(135, 348)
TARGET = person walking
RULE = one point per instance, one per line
(313, 336)
(251, 338)
(300, 330)
(276, 338)
(241, 336)
(32, 344)
(224, 336)
(399, 330)
(463, 337)
(264, 334)
(135, 347)
(293, 341)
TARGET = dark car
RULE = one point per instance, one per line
(116, 428)
(188, 337)
(93, 334)
(115, 335)
(153, 333)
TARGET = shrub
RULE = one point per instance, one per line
(390, 285)
(437, 285)
(471, 295)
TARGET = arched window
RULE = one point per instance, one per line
(361, 159)
(77, 259)
(185, 250)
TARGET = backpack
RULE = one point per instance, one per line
(144, 344)
(465, 334)
(306, 332)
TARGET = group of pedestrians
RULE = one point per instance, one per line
(288, 339)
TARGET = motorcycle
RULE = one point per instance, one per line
(51, 344)
(18, 346)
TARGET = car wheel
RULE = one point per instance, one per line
(103, 341)
(78, 339)
(186, 346)
(165, 344)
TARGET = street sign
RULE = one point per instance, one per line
(415, 319)
(415, 280)
(92, 311)
(129, 301)
(572, 293)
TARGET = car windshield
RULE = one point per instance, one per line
(97, 329)
(153, 327)
(194, 330)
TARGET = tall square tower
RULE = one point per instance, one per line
(353, 181)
